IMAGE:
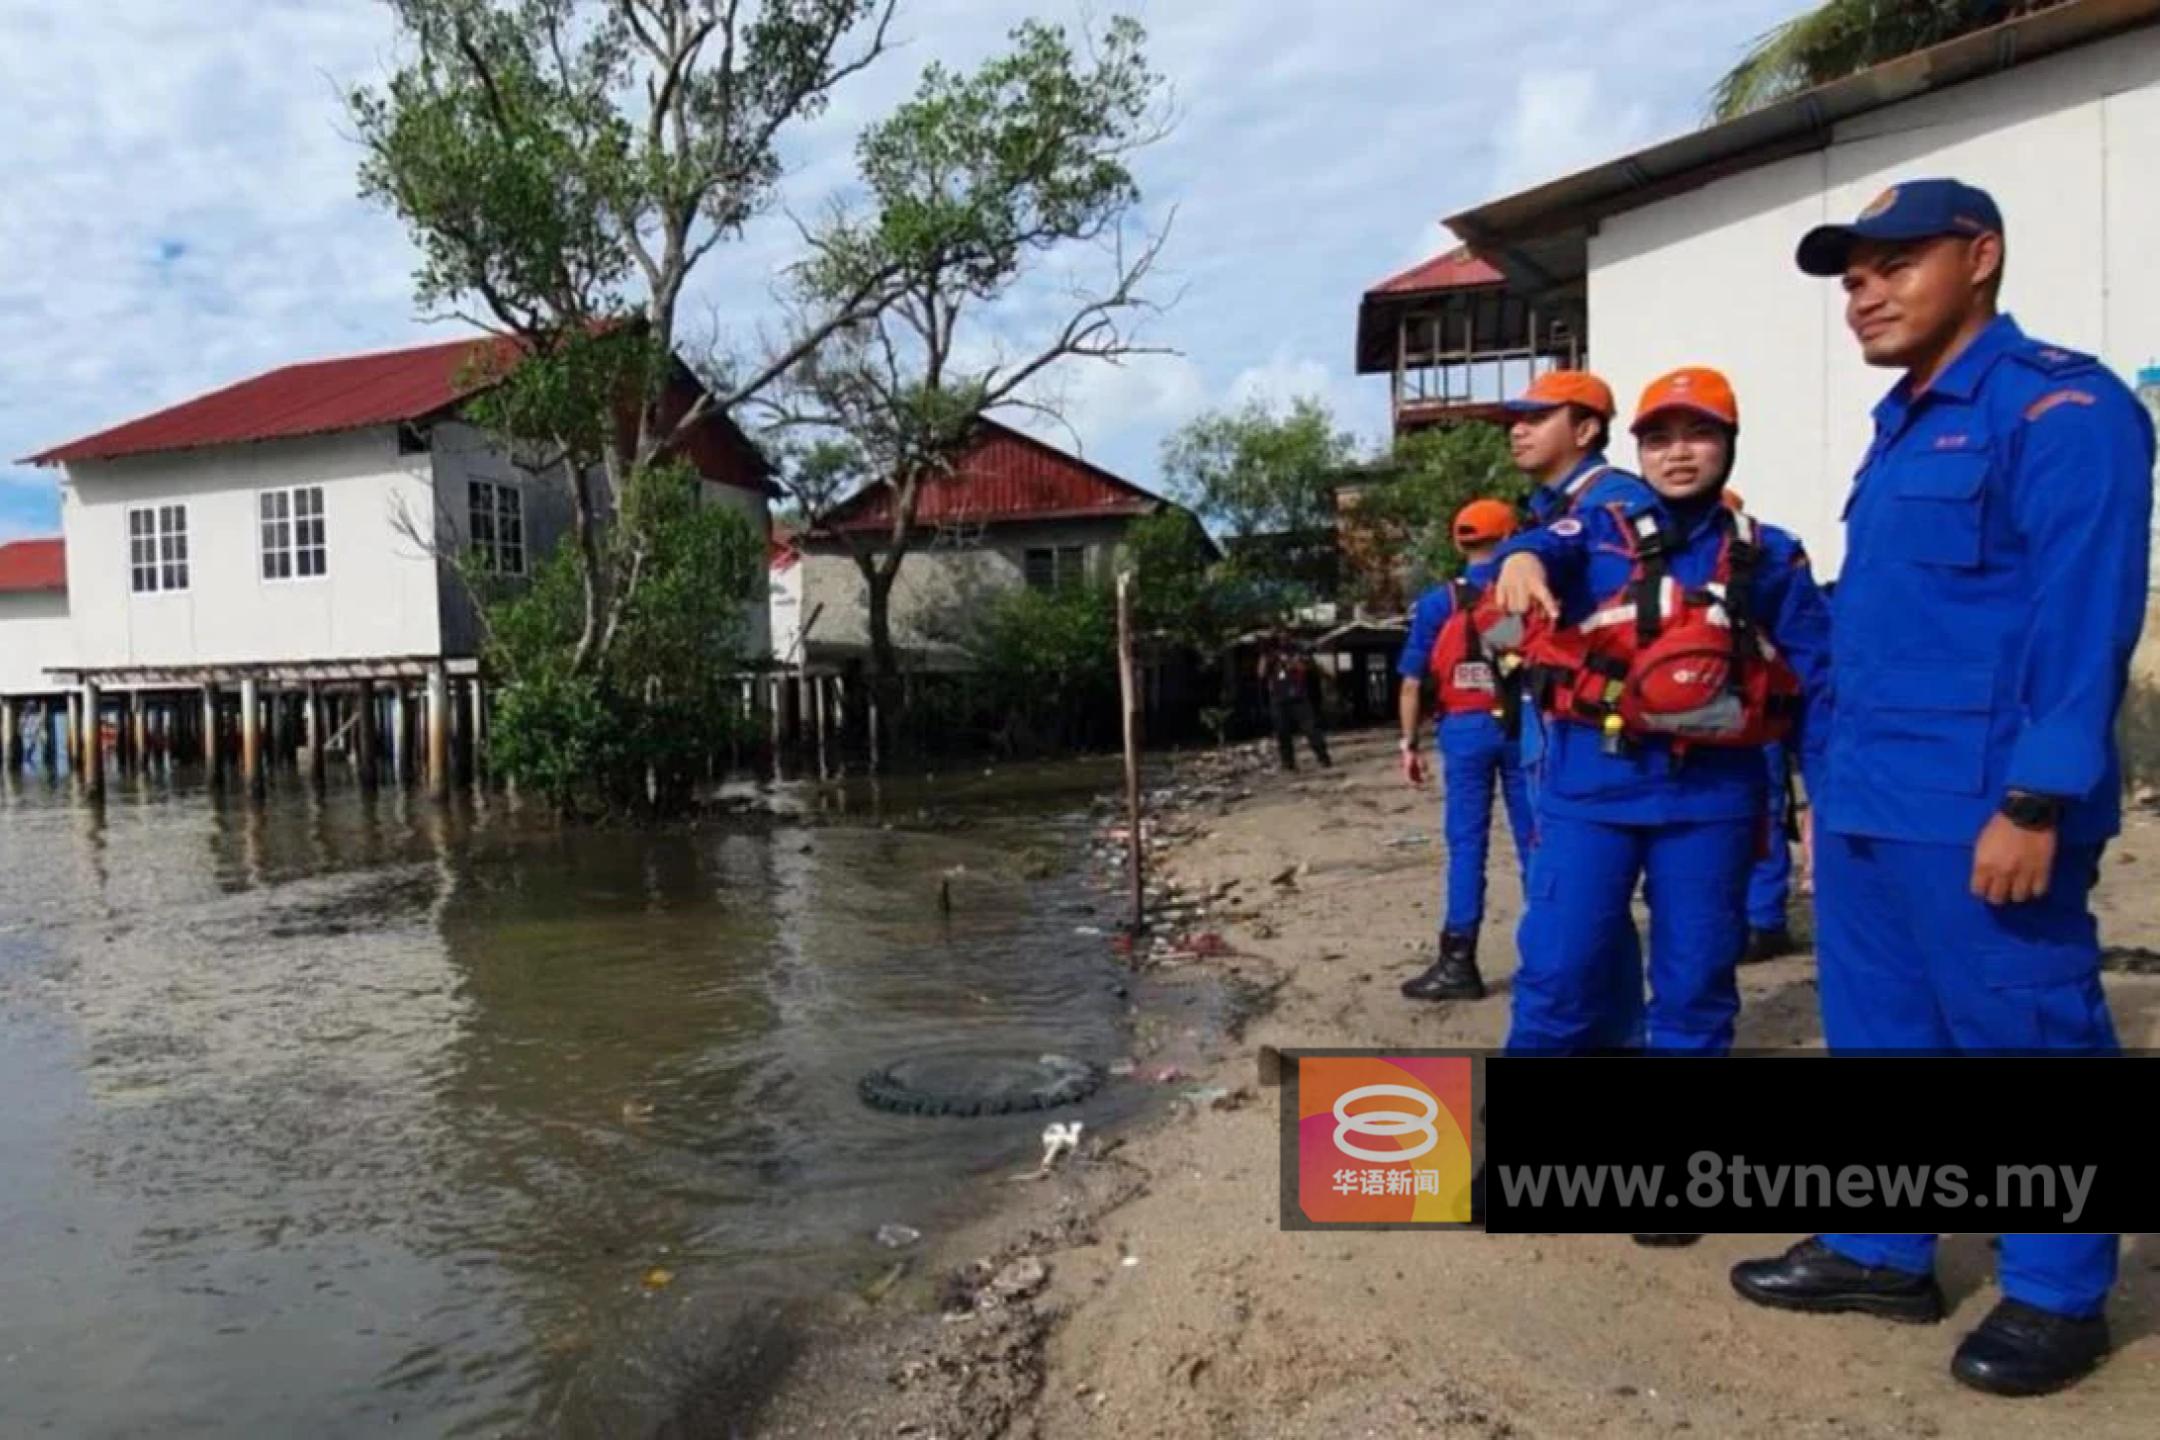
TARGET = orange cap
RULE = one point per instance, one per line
(1484, 522)
(1732, 499)
(1564, 387)
(1692, 387)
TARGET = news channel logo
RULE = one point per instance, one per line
(1376, 1140)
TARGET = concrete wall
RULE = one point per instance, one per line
(379, 596)
(2067, 145)
(34, 632)
(937, 583)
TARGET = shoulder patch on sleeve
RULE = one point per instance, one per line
(2055, 398)
(1566, 525)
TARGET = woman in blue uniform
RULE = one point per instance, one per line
(1665, 804)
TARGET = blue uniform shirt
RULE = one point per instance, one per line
(1587, 561)
(1993, 588)
(1433, 610)
(1593, 482)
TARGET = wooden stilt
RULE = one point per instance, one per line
(210, 733)
(400, 733)
(251, 775)
(364, 724)
(93, 738)
(138, 732)
(476, 727)
(438, 732)
(313, 719)
(10, 733)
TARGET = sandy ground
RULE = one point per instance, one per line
(1145, 1289)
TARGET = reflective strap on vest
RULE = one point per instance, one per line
(1572, 492)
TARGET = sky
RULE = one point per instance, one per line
(178, 207)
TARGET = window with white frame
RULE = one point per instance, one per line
(293, 540)
(498, 526)
(157, 548)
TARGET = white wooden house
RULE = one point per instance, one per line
(292, 531)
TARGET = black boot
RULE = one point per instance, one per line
(1665, 1242)
(1767, 945)
(1454, 976)
(2021, 1350)
(1812, 1276)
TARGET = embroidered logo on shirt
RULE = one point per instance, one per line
(1568, 526)
(2054, 398)
(1952, 442)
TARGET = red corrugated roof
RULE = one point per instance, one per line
(1005, 477)
(31, 565)
(320, 397)
(301, 400)
(1455, 270)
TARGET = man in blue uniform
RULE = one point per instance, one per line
(1769, 886)
(1993, 588)
(1615, 809)
(1475, 748)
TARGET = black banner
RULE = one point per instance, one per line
(1890, 1144)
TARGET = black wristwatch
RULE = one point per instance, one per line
(2032, 812)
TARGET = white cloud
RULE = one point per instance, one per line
(181, 207)
(1562, 121)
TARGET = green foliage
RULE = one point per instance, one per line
(1842, 37)
(636, 733)
(1046, 660)
(1431, 474)
(1257, 472)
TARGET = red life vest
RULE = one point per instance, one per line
(1660, 659)
(1461, 670)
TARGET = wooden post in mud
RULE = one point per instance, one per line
(11, 734)
(1132, 746)
(210, 733)
(93, 739)
(438, 732)
(366, 716)
(251, 777)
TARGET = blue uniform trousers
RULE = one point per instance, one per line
(1474, 751)
(1911, 960)
(1769, 884)
(1580, 983)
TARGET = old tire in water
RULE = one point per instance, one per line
(979, 1084)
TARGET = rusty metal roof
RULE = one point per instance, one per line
(320, 397)
(1454, 270)
(29, 566)
(1004, 477)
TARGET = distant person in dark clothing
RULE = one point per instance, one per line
(1286, 670)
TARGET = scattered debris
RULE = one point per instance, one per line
(1019, 1280)
(895, 1236)
(882, 1286)
(1415, 837)
(658, 1278)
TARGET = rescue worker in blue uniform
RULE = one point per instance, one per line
(1769, 886)
(1994, 585)
(1560, 429)
(1475, 747)
(1688, 818)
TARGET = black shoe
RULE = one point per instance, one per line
(1812, 1276)
(2022, 1350)
(1454, 976)
(1767, 945)
(1665, 1242)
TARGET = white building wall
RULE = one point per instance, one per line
(377, 599)
(34, 632)
(2067, 145)
(784, 605)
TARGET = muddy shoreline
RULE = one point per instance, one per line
(1145, 1288)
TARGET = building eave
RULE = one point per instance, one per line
(1538, 237)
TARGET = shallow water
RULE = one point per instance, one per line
(348, 1115)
